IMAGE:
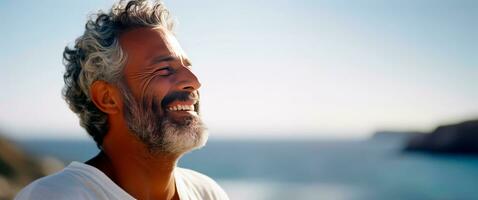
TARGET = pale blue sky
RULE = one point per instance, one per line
(269, 69)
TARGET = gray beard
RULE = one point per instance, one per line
(160, 134)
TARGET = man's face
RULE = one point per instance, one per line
(161, 101)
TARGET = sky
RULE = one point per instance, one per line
(269, 69)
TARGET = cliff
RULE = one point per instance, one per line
(461, 138)
(17, 168)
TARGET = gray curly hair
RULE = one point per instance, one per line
(97, 55)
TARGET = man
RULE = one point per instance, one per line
(132, 87)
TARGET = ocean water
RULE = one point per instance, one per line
(306, 170)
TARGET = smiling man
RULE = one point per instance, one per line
(132, 87)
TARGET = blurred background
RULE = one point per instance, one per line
(342, 100)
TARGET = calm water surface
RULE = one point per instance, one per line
(335, 170)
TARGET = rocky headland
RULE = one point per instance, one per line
(17, 168)
(460, 138)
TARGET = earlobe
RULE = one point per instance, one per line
(103, 96)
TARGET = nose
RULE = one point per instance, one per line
(188, 81)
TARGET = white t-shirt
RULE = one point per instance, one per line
(81, 181)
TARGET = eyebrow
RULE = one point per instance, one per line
(159, 59)
(167, 58)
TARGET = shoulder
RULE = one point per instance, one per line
(74, 182)
(200, 184)
(61, 185)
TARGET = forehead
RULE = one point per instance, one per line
(144, 45)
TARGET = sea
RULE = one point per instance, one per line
(368, 169)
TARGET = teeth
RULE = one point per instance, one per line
(181, 107)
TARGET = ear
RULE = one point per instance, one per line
(105, 96)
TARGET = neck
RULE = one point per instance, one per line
(142, 175)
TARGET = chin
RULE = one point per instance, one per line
(182, 138)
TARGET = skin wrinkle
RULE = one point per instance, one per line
(148, 97)
(173, 46)
(165, 135)
(140, 140)
(176, 50)
(154, 132)
(145, 81)
(146, 88)
(152, 93)
(97, 55)
(148, 91)
(146, 78)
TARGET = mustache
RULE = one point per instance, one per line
(179, 96)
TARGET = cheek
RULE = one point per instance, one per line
(160, 87)
(158, 91)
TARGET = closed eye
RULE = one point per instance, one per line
(164, 71)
